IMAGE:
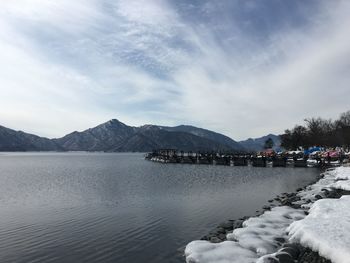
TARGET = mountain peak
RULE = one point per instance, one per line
(114, 123)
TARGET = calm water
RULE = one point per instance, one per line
(94, 207)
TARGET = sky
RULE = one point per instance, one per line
(244, 68)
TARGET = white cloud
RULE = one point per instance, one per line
(272, 91)
(70, 65)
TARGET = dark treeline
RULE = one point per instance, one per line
(319, 132)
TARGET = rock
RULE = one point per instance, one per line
(222, 237)
(318, 197)
(294, 198)
(309, 256)
(286, 202)
(280, 239)
(284, 257)
(292, 245)
(295, 206)
(215, 240)
(292, 251)
(238, 223)
(220, 230)
(270, 260)
(227, 225)
(266, 207)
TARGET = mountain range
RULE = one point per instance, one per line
(258, 144)
(115, 136)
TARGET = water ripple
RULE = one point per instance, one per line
(119, 208)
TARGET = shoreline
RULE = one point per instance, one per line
(286, 250)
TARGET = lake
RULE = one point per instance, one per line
(117, 207)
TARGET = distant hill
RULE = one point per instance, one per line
(257, 144)
(207, 134)
(151, 137)
(11, 140)
(115, 136)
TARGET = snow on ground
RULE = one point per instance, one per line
(326, 229)
(247, 244)
(225, 252)
(342, 177)
(338, 178)
(259, 233)
(342, 173)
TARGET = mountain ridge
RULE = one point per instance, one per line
(115, 136)
(257, 144)
(204, 133)
(13, 141)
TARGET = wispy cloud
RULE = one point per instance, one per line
(244, 68)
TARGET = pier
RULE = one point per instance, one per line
(242, 159)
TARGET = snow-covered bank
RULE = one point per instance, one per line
(326, 229)
(259, 236)
(338, 178)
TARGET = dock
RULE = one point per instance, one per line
(173, 156)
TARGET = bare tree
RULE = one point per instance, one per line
(319, 132)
